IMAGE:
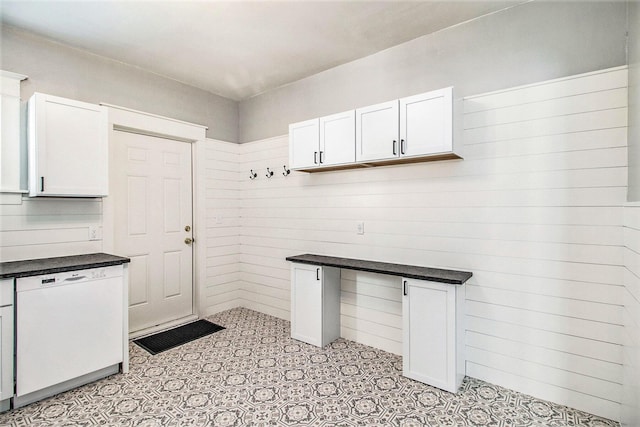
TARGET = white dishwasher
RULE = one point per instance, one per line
(68, 330)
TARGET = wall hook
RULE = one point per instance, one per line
(286, 171)
(253, 175)
(269, 173)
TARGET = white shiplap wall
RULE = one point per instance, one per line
(535, 211)
(220, 184)
(631, 359)
(43, 227)
(555, 331)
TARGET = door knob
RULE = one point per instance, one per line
(189, 240)
(187, 228)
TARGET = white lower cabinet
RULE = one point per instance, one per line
(433, 333)
(6, 343)
(315, 304)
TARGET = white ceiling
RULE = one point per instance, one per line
(238, 49)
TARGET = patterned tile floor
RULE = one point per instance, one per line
(254, 374)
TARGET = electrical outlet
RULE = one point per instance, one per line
(360, 228)
(95, 232)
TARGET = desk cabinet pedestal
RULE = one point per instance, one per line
(315, 304)
(432, 346)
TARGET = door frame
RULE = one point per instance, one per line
(133, 121)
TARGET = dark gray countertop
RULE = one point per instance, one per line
(453, 277)
(36, 267)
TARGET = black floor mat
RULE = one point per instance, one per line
(162, 341)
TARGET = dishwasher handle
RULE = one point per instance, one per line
(74, 278)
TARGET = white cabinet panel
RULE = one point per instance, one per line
(426, 123)
(337, 139)
(306, 300)
(304, 144)
(315, 304)
(432, 351)
(377, 132)
(12, 166)
(68, 151)
(6, 342)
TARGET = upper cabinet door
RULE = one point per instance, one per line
(304, 144)
(377, 132)
(426, 123)
(338, 139)
(68, 149)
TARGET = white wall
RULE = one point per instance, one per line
(61, 70)
(631, 372)
(527, 43)
(219, 236)
(535, 211)
(633, 49)
(40, 228)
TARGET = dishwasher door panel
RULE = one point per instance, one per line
(67, 331)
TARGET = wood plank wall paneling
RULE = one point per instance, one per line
(631, 353)
(535, 210)
(40, 228)
(220, 178)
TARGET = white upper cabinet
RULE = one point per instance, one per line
(416, 126)
(377, 132)
(12, 161)
(414, 129)
(323, 142)
(68, 147)
(304, 144)
(337, 139)
(426, 123)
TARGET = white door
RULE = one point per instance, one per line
(338, 139)
(425, 123)
(153, 218)
(377, 132)
(304, 144)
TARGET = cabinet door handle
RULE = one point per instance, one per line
(395, 151)
(402, 146)
(315, 157)
(321, 157)
(404, 287)
(42, 183)
(317, 273)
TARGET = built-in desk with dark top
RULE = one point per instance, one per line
(453, 277)
(432, 312)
